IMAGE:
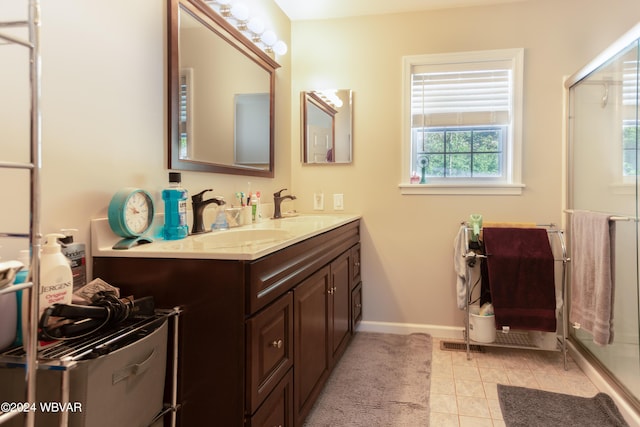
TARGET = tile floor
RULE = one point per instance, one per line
(464, 392)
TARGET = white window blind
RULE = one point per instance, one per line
(462, 94)
(630, 83)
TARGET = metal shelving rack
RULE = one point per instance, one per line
(34, 235)
(65, 355)
(514, 338)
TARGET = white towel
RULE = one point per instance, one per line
(460, 267)
(592, 274)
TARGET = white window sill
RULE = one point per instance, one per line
(462, 189)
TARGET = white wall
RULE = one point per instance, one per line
(408, 240)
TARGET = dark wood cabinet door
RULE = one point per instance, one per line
(340, 290)
(311, 340)
(355, 263)
(356, 306)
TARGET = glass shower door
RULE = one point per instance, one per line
(603, 177)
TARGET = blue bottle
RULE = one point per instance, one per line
(175, 209)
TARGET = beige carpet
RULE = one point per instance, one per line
(381, 380)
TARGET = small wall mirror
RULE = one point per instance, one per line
(221, 95)
(327, 126)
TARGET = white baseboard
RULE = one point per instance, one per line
(436, 331)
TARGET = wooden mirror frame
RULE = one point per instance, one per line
(218, 25)
(340, 130)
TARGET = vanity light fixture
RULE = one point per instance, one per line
(239, 15)
(280, 48)
(225, 8)
(330, 96)
(256, 28)
(269, 38)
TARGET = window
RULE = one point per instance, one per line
(185, 122)
(630, 94)
(629, 148)
(462, 122)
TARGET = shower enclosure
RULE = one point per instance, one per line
(603, 117)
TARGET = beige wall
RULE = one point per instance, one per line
(104, 124)
(408, 240)
(104, 114)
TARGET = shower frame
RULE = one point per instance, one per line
(628, 42)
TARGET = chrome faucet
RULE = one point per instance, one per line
(198, 210)
(277, 200)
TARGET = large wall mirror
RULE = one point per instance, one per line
(327, 126)
(221, 95)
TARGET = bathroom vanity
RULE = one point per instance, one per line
(268, 311)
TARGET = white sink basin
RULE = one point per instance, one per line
(235, 238)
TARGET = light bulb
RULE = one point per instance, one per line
(240, 12)
(280, 47)
(269, 38)
(255, 25)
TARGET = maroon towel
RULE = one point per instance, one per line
(521, 278)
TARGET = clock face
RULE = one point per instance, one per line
(137, 211)
(131, 212)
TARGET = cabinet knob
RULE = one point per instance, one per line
(357, 263)
(358, 305)
(277, 344)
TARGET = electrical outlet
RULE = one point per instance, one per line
(338, 202)
(318, 201)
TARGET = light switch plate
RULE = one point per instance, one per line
(338, 202)
(318, 201)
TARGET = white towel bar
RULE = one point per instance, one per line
(613, 217)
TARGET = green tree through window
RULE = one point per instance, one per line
(630, 148)
(468, 152)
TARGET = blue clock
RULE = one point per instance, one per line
(131, 213)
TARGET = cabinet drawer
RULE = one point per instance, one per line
(277, 409)
(356, 306)
(272, 275)
(269, 349)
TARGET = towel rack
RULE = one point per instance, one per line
(509, 338)
(612, 217)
